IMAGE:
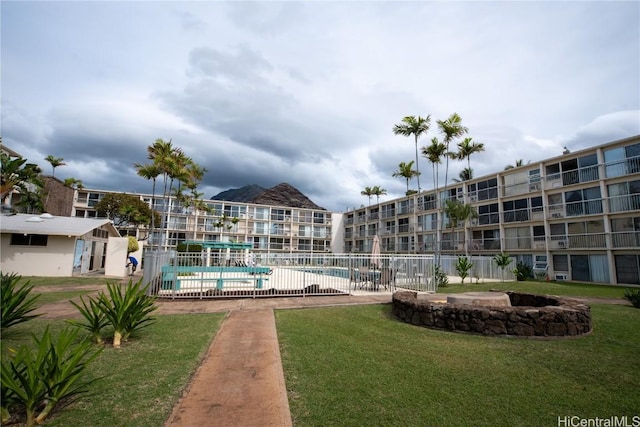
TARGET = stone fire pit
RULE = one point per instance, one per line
(495, 313)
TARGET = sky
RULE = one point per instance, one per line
(308, 92)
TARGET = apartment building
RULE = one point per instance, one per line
(571, 217)
(270, 229)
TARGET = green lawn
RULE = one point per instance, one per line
(552, 288)
(143, 380)
(360, 366)
(49, 297)
(72, 281)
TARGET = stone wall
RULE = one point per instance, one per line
(529, 316)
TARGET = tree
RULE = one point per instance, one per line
(519, 163)
(73, 183)
(502, 260)
(451, 128)
(368, 191)
(466, 174)
(17, 174)
(406, 171)
(463, 265)
(55, 162)
(458, 213)
(466, 148)
(150, 171)
(434, 154)
(124, 210)
(415, 126)
(377, 191)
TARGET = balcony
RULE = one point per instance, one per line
(585, 241)
(624, 203)
(515, 243)
(626, 239)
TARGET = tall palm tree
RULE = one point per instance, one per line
(466, 148)
(451, 128)
(377, 191)
(55, 162)
(415, 126)
(150, 171)
(459, 213)
(434, 154)
(406, 171)
(368, 191)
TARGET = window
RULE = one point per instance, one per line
(628, 269)
(488, 214)
(583, 202)
(318, 218)
(18, 239)
(80, 213)
(488, 189)
(561, 263)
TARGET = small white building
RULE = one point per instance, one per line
(47, 245)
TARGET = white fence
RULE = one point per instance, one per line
(189, 275)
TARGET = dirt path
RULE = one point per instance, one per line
(241, 382)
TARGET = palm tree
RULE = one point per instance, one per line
(466, 148)
(466, 174)
(377, 191)
(73, 183)
(434, 154)
(415, 126)
(368, 191)
(406, 171)
(150, 171)
(502, 260)
(55, 162)
(451, 129)
(519, 163)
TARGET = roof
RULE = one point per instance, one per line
(53, 225)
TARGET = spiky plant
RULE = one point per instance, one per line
(95, 319)
(46, 373)
(127, 311)
(17, 302)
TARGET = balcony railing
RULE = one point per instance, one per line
(513, 243)
(583, 241)
(623, 167)
(624, 203)
(626, 239)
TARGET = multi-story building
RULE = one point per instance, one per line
(571, 217)
(270, 229)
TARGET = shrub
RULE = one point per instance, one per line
(126, 311)
(441, 278)
(463, 265)
(502, 260)
(633, 296)
(523, 271)
(132, 244)
(95, 319)
(16, 302)
(40, 379)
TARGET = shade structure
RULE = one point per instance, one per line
(375, 251)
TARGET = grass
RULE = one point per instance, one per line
(552, 288)
(71, 281)
(360, 366)
(143, 380)
(49, 297)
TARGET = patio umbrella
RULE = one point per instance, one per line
(375, 252)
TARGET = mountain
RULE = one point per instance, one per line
(244, 194)
(280, 195)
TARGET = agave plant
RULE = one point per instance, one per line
(127, 311)
(16, 301)
(45, 376)
(95, 319)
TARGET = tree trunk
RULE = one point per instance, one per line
(117, 338)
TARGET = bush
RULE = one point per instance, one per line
(633, 296)
(463, 265)
(523, 271)
(16, 302)
(126, 311)
(40, 379)
(441, 278)
(132, 244)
